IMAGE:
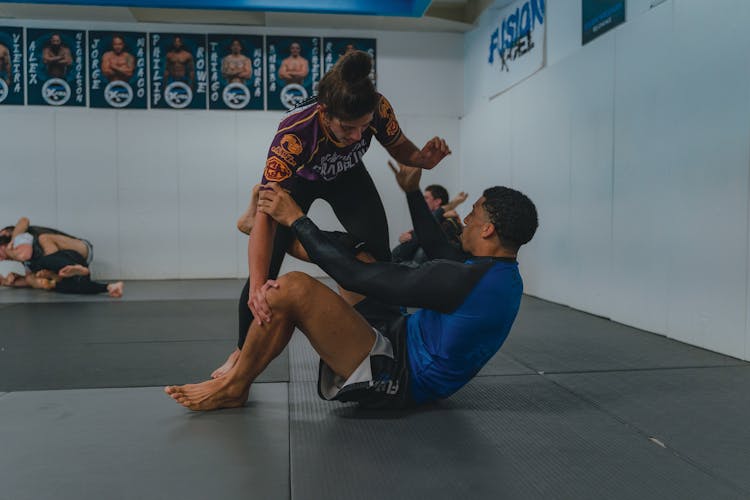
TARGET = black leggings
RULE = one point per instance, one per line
(356, 203)
(81, 285)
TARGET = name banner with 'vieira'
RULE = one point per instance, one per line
(11, 65)
(515, 48)
(56, 67)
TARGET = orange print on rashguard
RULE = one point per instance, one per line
(291, 143)
(276, 170)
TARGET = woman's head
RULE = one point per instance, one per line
(348, 97)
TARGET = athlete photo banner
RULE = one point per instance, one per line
(117, 70)
(179, 75)
(11, 66)
(600, 16)
(515, 48)
(293, 69)
(334, 48)
(235, 68)
(56, 67)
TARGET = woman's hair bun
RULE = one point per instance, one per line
(355, 66)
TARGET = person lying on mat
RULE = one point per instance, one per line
(369, 352)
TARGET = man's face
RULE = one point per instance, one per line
(349, 131)
(432, 202)
(55, 41)
(474, 223)
(236, 48)
(295, 49)
(177, 44)
(118, 45)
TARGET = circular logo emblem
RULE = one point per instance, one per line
(56, 92)
(236, 95)
(178, 95)
(293, 94)
(291, 143)
(3, 90)
(118, 94)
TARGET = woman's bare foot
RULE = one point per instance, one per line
(228, 364)
(74, 270)
(209, 395)
(115, 289)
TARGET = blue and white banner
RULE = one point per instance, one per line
(11, 65)
(117, 74)
(56, 67)
(179, 75)
(600, 16)
(334, 48)
(515, 47)
(293, 69)
(235, 67)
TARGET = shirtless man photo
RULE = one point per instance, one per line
(180, 65)
(5, 63)
(295, 68)
(56, 56)
(117, 64)
(236, 67)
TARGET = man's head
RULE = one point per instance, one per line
(500, 221)
(236, 47)
(4, 240)
(118, 44)
(295, 49)
(435, 196)
(55, 40)
(177, 44)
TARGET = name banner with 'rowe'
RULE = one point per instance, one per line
(515, 45)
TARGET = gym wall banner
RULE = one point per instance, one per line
(117, 70)
(235, 68)
(179, 75)
(56, 67)
(293, 69)
(515, 48)
(334, 48)
(600, 16)
(11, 65)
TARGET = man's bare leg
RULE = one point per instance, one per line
(336, 331)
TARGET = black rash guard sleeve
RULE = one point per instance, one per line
(431, 236)
(440, 285)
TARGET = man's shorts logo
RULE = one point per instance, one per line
(276, 170)
(178, 95)
(291, 143)
(3, 90)
(118, 94)
(293, 94)
(56, 92)
(236, 95)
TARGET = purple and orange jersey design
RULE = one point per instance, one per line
(302, 147)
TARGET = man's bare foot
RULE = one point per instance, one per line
(209, 395)
(228, 364)
(74, 270)
(115, 289)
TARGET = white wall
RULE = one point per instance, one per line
(636, 150)
(158, 192)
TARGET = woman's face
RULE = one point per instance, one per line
(348, 131)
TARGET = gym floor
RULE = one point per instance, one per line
(573, 406)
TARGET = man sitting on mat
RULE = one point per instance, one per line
(370, 352)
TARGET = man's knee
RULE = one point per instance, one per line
(292, 290)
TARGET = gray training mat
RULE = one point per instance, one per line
(549, 337)
(119, 344)
(122, 444)
(699, 413)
